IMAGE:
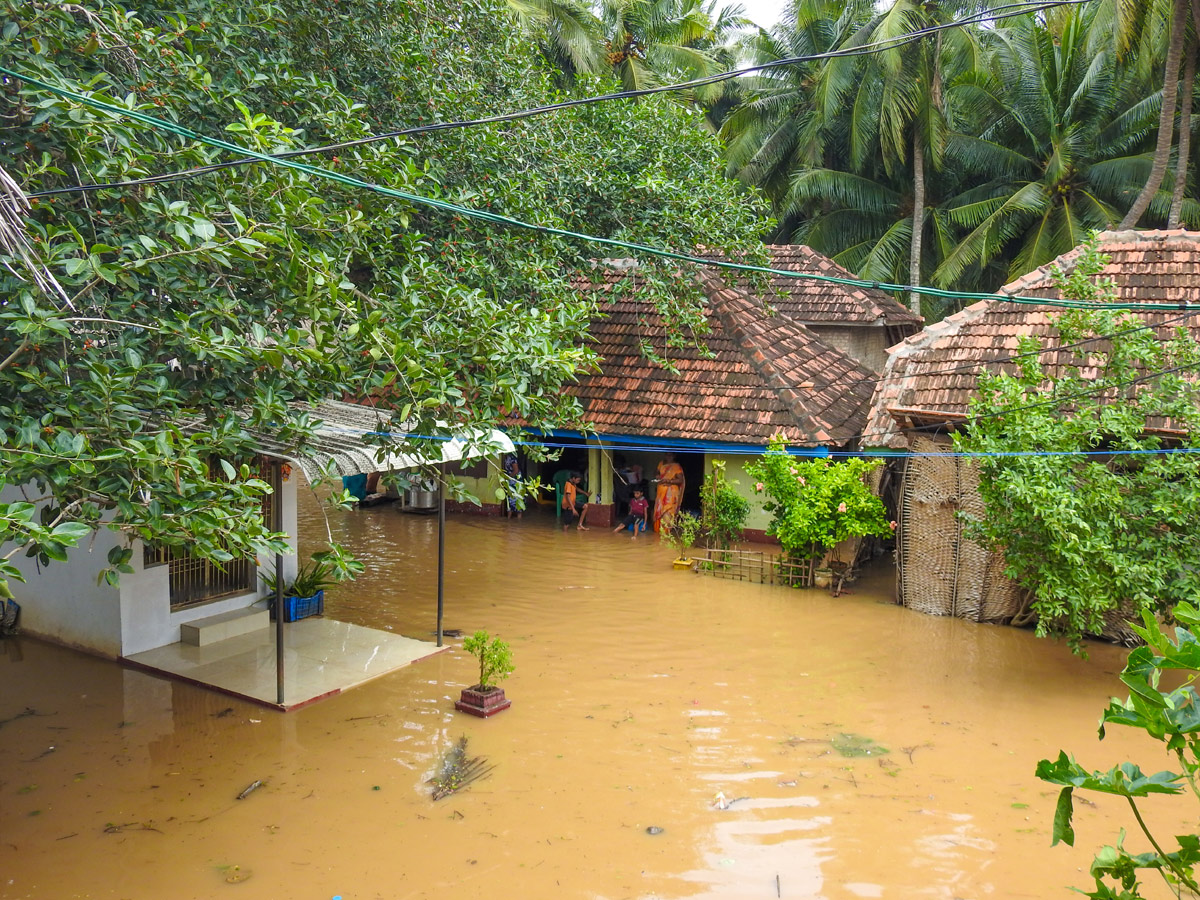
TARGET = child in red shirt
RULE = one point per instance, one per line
(639, 509)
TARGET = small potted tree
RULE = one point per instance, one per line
(681, 534)
(495, 664)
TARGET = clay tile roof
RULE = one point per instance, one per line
(808, 300)
(1146, 266)
(766, 375)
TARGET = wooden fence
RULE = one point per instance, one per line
(754, 566)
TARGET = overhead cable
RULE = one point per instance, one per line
(1026, 6)
(507, 221)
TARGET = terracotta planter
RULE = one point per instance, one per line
(478, 702)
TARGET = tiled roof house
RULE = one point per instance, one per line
(763, 375)
(862, 322)
(926, 390)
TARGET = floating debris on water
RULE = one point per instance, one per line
(855, 745)
(250, 789)
(458, 771)
(28, 711)
(653, 829)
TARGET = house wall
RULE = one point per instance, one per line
(867, 344)
(735, 474)
(63, 603)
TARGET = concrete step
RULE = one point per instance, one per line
(200, 632)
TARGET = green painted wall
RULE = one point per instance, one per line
(735, 474)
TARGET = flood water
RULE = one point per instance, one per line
(640, 693)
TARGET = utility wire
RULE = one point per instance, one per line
(979, 365)
(506, 221)
(1027, 6)
(1051, 401)
(633, 446)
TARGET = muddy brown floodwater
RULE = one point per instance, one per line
(640, 694)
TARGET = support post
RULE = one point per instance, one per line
(441, 578)
(279, 627)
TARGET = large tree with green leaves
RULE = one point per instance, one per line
(1092, 517)
(233, 299)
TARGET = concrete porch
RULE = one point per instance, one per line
(322, 657)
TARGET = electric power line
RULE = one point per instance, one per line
(509, 222)
(1019, 8)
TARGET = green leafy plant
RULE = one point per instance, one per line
(495, 659)
(816, 504)
(723, 511)
(682, 532)
(1171, 718)
(1092, 537)
(321, 572)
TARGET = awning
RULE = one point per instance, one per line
(342, 443)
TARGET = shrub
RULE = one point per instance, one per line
(816, 504)
(723, 511)
(495, 658)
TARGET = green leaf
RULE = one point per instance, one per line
(1064, 811)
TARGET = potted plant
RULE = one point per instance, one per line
(304, 595)
(681, 534)
(495, 664)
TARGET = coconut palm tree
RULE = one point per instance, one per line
(566, 32)
(1177, 39)
(790, 117)
(1057, 149)
(898, 118)
(651, 42)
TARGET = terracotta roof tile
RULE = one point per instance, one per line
(1147, 267)
(765, 375)
(808, 300)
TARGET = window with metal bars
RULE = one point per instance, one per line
(194, 581)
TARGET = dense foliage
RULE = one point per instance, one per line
(230, 301)
(1172, 719)
(1087, 533)
(816, 504)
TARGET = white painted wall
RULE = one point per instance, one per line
(63, 602)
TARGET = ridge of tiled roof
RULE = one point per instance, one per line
(820, 384)
(1146, 267)
(766, 375)
(809, 300)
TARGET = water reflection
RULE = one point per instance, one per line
(640, 694)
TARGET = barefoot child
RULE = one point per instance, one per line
(639, 509)
(572, 503)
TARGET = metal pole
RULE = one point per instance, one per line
(441, 549)
(279, 628)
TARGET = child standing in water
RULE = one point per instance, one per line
(572, 504)
(639, 509)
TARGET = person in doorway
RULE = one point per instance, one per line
(515, 500)
(574, 502)
(670, 491)
(639, 510)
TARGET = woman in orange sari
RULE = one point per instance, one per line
(670, 491)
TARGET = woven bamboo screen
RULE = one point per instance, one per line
(941, 571)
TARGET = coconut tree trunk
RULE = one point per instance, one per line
(1185, 133)
(1166, 119)
(918, 219)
